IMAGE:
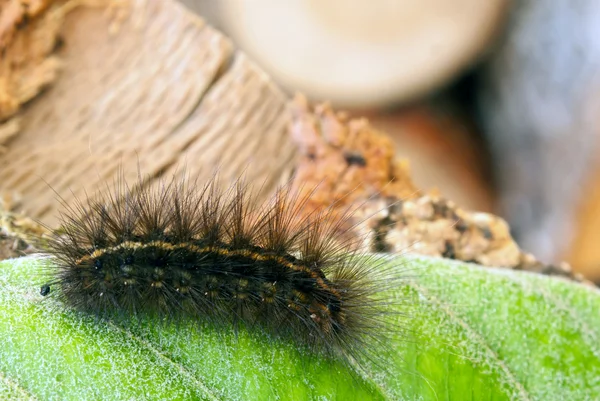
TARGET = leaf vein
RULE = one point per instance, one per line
(17, 386)
(161, 355)
(588, 334)
(477, 337)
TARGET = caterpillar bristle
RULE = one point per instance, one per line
(186, 251)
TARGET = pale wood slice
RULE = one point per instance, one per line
(362, 53)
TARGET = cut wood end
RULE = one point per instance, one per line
(363, 54)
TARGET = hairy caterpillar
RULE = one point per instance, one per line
(212, 255)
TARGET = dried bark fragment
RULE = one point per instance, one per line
(16, 232)
(28, 36)
(15, 15)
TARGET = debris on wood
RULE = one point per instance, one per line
(353, 165)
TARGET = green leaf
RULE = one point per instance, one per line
(476, 333)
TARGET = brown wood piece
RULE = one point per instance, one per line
(144, 84)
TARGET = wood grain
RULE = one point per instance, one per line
(145, 84)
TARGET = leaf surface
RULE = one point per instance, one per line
(470, 333)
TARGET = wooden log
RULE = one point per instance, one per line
(148, 85)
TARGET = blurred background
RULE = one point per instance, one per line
(494, 102)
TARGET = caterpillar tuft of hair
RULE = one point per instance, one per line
(216, 255)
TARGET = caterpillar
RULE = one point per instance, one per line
(215, 255)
